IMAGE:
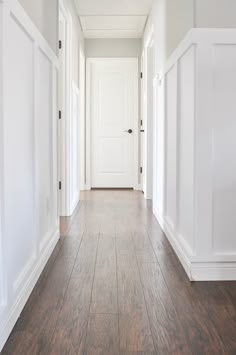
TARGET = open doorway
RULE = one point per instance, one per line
(68, 121)
(147, 118)
(62, 103)
(82, 123)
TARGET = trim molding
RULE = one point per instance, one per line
(27, 289)
(197, 253)
(17, 285)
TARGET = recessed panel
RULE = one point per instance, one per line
(19, 149)
(113, 26)
(44, 147)
(112, 163)
(112, 100)
(224, 148)
(113, 7)
(171, 117)
(2, 267)
(186, 146)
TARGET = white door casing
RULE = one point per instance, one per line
(112, 110)
(82, 121)
(147, 116)
(68, 141)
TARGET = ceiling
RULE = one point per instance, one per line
(113, 18)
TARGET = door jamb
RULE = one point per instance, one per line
(149, 44)
(89, 62)
(82, 120)
(64, 171)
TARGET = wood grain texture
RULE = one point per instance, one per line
(113, 285)
(104, 296)
(103, 335)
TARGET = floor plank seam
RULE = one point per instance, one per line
(67, 285)
(139, 273)
(170, 293)
(118, 315)
(91, 293)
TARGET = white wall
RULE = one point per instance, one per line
(77, 40)
(215, 13)
(179, 20)
(156, 21)
(113, 47)
(29, 226)
(44, 14)
(194, 165)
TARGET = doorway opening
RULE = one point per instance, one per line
(68, 121)
(112, 123)
(147, 140)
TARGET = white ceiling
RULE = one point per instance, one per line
(113, 18)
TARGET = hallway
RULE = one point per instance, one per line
(113, 285)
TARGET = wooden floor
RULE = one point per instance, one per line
(114, 286)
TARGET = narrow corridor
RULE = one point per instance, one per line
(114, 286)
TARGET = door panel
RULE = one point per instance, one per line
(114, 94)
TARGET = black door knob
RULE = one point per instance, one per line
(129, 131)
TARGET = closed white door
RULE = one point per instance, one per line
(113, 113)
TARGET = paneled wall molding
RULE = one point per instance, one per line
(197, 212)
(29, 225)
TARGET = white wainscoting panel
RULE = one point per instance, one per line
(2, 264)
(199, 153)
(44, 147)
(18, 144)
(185, 151)
(224, 148)
(29, 228)
(171, 145)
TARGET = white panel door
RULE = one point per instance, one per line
(113, 110)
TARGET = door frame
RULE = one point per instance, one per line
(82, 119)
(89, 62)
(147, 84)
(64, 208)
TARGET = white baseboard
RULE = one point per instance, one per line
(176, 245)
(17, 307)
(197, 271)
(221, 271)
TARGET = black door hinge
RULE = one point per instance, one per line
(59, 185)
(141, 75)
(141, 122)
(59, 115)
(141, 170)
(60, 44)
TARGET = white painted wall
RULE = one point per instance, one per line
(179, 20)
(113, 48)
(157, 22)
(44, 14)
(215, 13)
(29, 226)
(194, 166)
(199, 162)
(77, 41)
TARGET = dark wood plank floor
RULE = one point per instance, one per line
(114, 286)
